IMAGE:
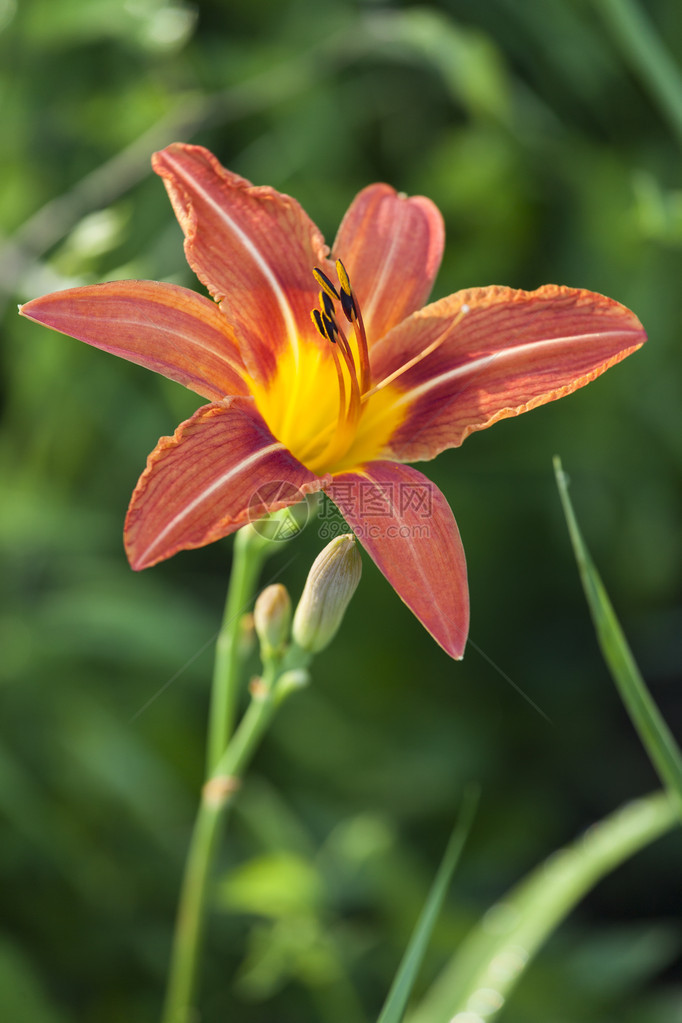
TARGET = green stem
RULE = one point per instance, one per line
(228, 757)
(250, 551)
(217, 795)
(187, 942)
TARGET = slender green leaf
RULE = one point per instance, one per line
(653, 731)
(645, 51)
(396, 1001)
(479, 978)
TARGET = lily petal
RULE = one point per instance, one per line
(391, 247)
(250, 243)
(406, 526)
(168, 329)
(220, 470)
(482, 355)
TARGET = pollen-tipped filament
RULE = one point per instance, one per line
(355, 357)
(320, 402)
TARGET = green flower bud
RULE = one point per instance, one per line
(272, 618)
(331, 583)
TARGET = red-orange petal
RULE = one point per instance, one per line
(168, 329)
(485, 354)
(253, 247)
(406, 526)
(391, 247)
(221, 469)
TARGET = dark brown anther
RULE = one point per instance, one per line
(316, 317)
(327, 305)
(348, 306)
(324, 325)
(325, 284)
(346, 296)
(330, 327)
(344, 280)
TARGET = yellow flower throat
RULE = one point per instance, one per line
(321, 402)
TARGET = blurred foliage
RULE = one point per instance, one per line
(552, 157)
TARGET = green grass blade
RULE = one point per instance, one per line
(479, 978)
(653, 731)
(646, 53)
(396, 1001)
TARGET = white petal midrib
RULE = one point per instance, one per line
(175, 332)
(208, 491)
(263, 266)
(505, 353)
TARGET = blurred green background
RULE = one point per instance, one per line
(540, 136)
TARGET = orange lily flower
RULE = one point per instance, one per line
(339, 400)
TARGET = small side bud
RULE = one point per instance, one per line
(290, 682)
(331, 583)
(272, 618)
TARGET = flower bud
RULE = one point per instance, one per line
(331, 583)
(272, 618)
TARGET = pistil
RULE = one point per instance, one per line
(444, 334)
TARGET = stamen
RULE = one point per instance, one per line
(328, 328)
(327, 325)
(355, 400)
(352, 313)
(348, 306)
(325, 284)
(344, 280)
(323, 325)
(342, 390)
(327, 306)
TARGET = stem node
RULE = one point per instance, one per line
(218, 791)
